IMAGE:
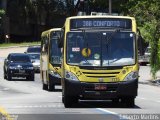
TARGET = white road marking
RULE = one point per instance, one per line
(107, 111)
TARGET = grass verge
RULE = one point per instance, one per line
(19, 44)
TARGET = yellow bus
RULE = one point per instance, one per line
(99, 59)
(50, 60)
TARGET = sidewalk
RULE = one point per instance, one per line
(146, 77)
(5, 51)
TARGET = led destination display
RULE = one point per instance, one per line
(101, 22)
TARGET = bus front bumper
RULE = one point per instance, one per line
(55, 80)
(113, 90)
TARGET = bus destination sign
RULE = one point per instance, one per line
(101, 22)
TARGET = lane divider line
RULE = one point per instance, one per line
(107, 111)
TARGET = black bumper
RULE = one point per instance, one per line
(114, 90)
(54, 80)
(19, 73)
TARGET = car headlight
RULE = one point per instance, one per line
(54, 73)
(30, 68)
(132, 76)
(12, 67)
(70, 76)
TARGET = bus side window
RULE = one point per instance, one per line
(44, 45)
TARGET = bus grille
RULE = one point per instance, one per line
(101, 74)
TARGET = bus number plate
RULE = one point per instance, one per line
(100, 87)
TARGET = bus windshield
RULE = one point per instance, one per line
(100, 48)
(55, 52)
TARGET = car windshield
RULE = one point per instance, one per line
(100, 48)
(55, 51)
(34, 56)
(34, 49)
(22, 58)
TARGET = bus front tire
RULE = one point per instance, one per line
(45, 87)
(129, 101)
(69, 101)
(51, 86)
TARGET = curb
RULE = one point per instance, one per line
(143, 82)
(151, 82)
(155, 82)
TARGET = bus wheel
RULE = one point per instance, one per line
(69, 101)
(51, 86)
(129, 101)
(45, 87)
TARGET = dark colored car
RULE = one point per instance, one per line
(18, 65)
(33, 49)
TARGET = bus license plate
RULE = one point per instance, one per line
(100, 87)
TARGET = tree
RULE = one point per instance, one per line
(147, 14)
(2, 13)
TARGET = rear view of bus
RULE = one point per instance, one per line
(50, 62)
(100, 59)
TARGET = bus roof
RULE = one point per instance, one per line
(106, 16)
(50, 30)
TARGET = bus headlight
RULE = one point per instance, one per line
(131, 76)
(70, 76)
(54, 73)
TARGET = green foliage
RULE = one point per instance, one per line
(2, 12)
(19, 44)
(147, 14)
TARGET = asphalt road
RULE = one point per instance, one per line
(26, 100)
